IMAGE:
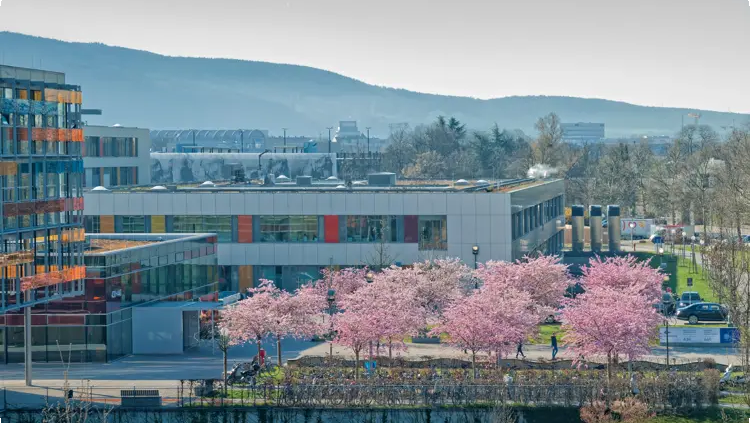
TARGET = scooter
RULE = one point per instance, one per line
(727, 379)
(233, 375)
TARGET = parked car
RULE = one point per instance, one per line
(702, 312)
(689, 298)
(667, 305)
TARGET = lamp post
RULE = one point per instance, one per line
(475, 251)
(632, 233)
(329, 138)
(284, 138)
(674, 234)
(368, 140)
(331, 300)
(368, 278)
(702, 243)
(692, 253)
(666, 319)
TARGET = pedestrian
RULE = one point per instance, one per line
(553, 341)
(520, 350)
(262, 355)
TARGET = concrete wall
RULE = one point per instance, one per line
(142, 162)
(157, 330)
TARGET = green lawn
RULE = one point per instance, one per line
(713, 415)
(700, 282)
(545, 334)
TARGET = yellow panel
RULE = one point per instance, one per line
(246, 278)
(158, 224)
(107, 224)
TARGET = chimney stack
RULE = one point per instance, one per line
(595, 227)
(577, 227)
(613, 228)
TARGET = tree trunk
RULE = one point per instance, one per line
(225, 372)
(473, 364)
(356, 365)
(259, 348)
(390, 350)
(278, 350)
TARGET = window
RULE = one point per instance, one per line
(220, 225)
(288, 229)
(433, 233)
(133, 224)
(22, 94)
(367, 228)
(6, 93)
(92, 224)
(36, 95)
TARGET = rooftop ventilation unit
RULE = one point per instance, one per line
(304, 181)
(382, 179)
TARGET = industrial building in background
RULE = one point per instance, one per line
(116, 156)
(582, 132)
(41, 179)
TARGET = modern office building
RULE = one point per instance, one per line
(582, 132)
(116, 155)
(288, 232)
(144, 295)
(41, 179)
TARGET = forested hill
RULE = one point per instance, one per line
(137, 88)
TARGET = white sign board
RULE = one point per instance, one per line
(688, 335)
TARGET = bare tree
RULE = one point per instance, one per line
(547, 144)
(381, 256)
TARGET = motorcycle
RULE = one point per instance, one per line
(728, 381)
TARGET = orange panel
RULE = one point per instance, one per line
(245, 229)
(246, 278)
(331, 225)
(107, 224)
(8, 168)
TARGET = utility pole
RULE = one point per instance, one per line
(329, 138)
(284, 139)
(368, 140)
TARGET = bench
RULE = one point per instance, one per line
(140, 398)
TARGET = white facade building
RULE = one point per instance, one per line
(288, 233)
(582, 131)
(116, 156)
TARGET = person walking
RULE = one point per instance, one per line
(520, 350)
(553, 341)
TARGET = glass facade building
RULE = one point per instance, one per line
(41, 254)
(123, 272)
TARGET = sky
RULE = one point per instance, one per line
(688, 53)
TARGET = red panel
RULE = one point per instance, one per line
(411, 229)
(331, 225)
(245, 229)
(38, 320)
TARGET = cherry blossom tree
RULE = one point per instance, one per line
(394, 308)
(296, 315)
(355, 325)
(251, 319)
(615, 315)
(487, 320)
(344, 281)
(545, 278)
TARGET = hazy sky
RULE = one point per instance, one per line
(690, 53)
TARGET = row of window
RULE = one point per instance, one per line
(111, 147)
(25, 120)
(111, 176)
(431, 232)
(530, 218)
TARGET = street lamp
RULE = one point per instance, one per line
(632, 233)
(692, 252)
(666, 319)
(331, 300)
(674, 234)
(475, 251)
(369, 277)
(661, 256)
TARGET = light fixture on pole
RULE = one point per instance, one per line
(331, 300)
(666, 319)
(632, 233)
(475, 251)
(692, 254)
(369, 277)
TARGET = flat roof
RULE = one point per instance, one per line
(105, 244)
(502, 186)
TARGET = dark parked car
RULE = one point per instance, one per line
(702, 312)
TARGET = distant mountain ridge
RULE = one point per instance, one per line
(138, 88)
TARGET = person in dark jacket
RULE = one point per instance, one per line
(520, 350)
(553, 341)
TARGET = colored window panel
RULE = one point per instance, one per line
(158, 224)
(331, 224)
(245, 278)
(107, 224)
(411, 229)
(245, 229)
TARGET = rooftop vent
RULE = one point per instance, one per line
(359, 183)
(481, 182)
(340, 187)
(159, 188)
(100, 188)
(332, 178)
(282, 178)
(304, 181)
(461, 182)
(382, 179)
(208, 184)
